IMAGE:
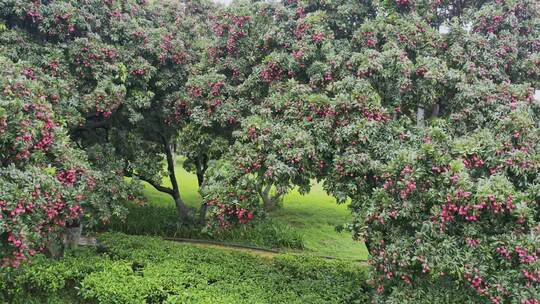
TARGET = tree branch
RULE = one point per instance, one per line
(158, 187)
(152, 183)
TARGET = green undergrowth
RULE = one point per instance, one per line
(140, 269)
(158, 217)
(161, 220)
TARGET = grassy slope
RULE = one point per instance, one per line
(314, 215)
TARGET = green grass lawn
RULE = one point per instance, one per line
(314, 216)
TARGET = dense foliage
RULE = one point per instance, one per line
(47, 183)
(452, 207)
(149, 270)
(459, 213)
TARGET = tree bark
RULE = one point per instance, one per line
(201, 166)
(158, 187)
(181, 208)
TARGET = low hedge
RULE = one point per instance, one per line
(139, 269)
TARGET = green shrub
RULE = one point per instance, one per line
(49, 281)
(138, 269)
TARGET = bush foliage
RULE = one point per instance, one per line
(459, 213)
(150, 270)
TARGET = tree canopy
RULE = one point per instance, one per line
(418, 114)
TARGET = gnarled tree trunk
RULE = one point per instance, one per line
(269, 201)
(181, 208)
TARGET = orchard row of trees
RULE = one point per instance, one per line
(421, 113)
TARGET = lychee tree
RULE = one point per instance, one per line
(362, 102)
(478, 76)
(270, 57)
(47, 182)
(125, 64)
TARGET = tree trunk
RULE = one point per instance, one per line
(181, 208)
(202, 213)
(435, 111)
(420, 117)
(202, 165)
(269, 202)
(183, 211)
(200, 177)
